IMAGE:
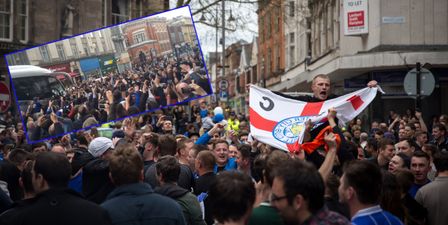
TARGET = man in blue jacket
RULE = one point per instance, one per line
(223, 162)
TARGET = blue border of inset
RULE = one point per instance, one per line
(116, 120)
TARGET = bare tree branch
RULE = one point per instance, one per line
(214, 26)
(208, 5)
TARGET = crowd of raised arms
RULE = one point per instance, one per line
(147, 86)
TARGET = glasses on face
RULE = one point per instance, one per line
(274, 198)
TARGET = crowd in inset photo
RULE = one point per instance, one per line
(149, 85)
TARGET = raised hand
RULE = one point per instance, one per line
(330, 139)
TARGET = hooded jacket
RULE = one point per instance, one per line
(187, 201)
(138, 204)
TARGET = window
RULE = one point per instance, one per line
(6, 20)
(61, 52)
(23, 20)
(19, 58)
(139, 37)
(291, 9)
(268, 69)
(278, 25)
(330, 26)
(104, 12)
(120, 11)
(139, 8)
(277, 22)
(237, 86)
(336, 24)
(269, 24)
(84, 45)
(43, 87)
(277, 56)
(74, 47)
(291, 38)
(44, 53)
(291, 56)
(103, 43)
(261, 30)
(254, 76)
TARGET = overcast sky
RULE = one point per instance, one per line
(246, 28)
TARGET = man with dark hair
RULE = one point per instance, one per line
(183, 149)
(420, 167)
(372, 148)
(150, 149)
(26, 185)
(194, 151)
(168, 170)
(192, 76)
(168, 146)
(39, 147)
(11, 169)
(386, 152)
(243, 159)
(439, 137)
(167, 127)
(360, 188)
(54, 202)
(421, 138)
(265, 213)
(298, 194)
(410, 130)
(243, 136)
(433, 196)
(232, 196)
(133, 201)
(407, 146)
(204, 165)
(82, 141)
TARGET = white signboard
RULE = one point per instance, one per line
(356, 16)
(392, 20)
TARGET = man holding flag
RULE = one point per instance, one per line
(280, 120)
(321, 90)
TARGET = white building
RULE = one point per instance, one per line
(397, 35)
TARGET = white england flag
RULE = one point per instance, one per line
(280, 121)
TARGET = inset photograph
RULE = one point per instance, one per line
(108, 74)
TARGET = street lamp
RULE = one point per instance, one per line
(231, 19)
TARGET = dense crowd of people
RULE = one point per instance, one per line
(149, 85)
(188, 165)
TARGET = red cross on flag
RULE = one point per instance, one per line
(280, 122)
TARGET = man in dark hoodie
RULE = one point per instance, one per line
(167, 146)
(168, 170)
(133, 201)
(96, 184)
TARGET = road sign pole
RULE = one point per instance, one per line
(418, 76)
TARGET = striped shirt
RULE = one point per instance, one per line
(375, 216)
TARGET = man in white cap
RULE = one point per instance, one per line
(100, 147)
(95, 177)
